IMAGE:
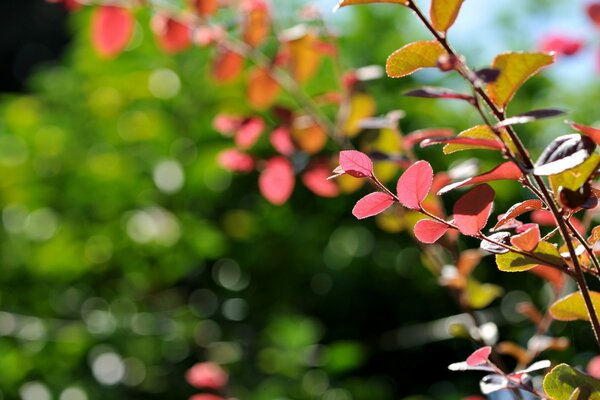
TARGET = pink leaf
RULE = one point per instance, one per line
(207, 375)
(429, 231)
(528, 240)
(235, 160)
(227, 124)
(247, 134)
(504, 171)
(276, 182)
(593, 367)
(561, 44)
(356, 164)
(372, 204)
(281, 140)
(414, 184)
(315, 178)
(479, 357)
(418, 136)
(172, 36)
(472, 210)
(489, 143)
(112, 28)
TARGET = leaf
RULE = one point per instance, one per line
(561, 44)
(235, 160)
(477, 132)
(593, 12)
(361, 106)
(564, 381)
(414, 184)
(372, 204)
(257, 22)
(481, 295)
(514, 262)
(206, 7)
(437, 93)
(281, 140)
(413, 57)
(429, 231)
(276, 181)
(263, 89)
(344, 3)
(479, 357)
(304, 57)
(504, 171)
(227, 66)
(552, 275)
(565, 152)
(595, 236)
(572, 307)
(112, 28)
(465, 142)
(515, 69)
(530, 116)
(575, 178)
(472, 210)
(418, 136)
(593, 133)
(172, 35)
(527, 240)
(356, 164)
(315, 179)
(309, 135)
(249, 132)
(519, 209)
(500, 237)
(443, 13)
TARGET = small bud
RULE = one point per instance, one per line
(448, 62)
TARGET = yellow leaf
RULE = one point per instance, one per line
(574, 178)
(515, 69)
(344, 3)
(362, 106)
(349, 184)
(481, 295)
(572, 307)
(515, 262)
(443, 13)
(478, 132)
(305, 58)
(413, 57)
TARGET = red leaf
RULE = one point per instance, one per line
(593, 11)
(429, 231)
(172, 36)
(479, 356)
(593, 133)
(552, 275)
(561, 44)
(235, 160)
(489, 143)
(372, 204)
(281, 140)
(249, 132)
(415, 137)
(527, 240)
(207, 375)
(414, 184)
(315, 178)
(112, 28)
(206, 7)
(356, 164)
(472, 210)
(276, 182)
(227, 66)
(504, 171)
(519, 209)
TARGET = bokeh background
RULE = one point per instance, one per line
(128, 255)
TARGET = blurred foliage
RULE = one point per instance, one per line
(128, 254)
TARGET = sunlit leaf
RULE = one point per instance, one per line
(344, 3)
(236, 160)
(515, 69)
(315, 179)
(565, 152)
(479, 357)
(530, 116)
(564, 381)
(418, 136)
(592, 132)
(595, 236)
(356, 164)
(112, 28)
(575, 178)
(249, 132)
(477, 132)
(360, 107)
(519, 209)
(473, 209)
(414, 184)
(227, 66)
(413, 57)
(527, 240)
(505, 171)
(498, 237)
(443, 13)
(257, 22)
(263, 89)
(465, 143)
(515, 262)
(481, 295)
(429, 231)
(555, 277)
(304, 56)
(572, 307)
(173, 36)
(309, 135)
(276, 182)
(372, 204)
(281, 140)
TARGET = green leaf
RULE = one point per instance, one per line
(481, 295)
(515, 262)
(515, 69)
(572, 307)
(344, 356)
(413, 57)
(563, 381)
(344, 3)
(574, 178)
(443, 13)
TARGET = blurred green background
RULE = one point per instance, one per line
(128, 254)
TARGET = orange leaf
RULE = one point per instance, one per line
(263, 89)
(304, 55)
(257, 23)
(228, 66)
(310, 136)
